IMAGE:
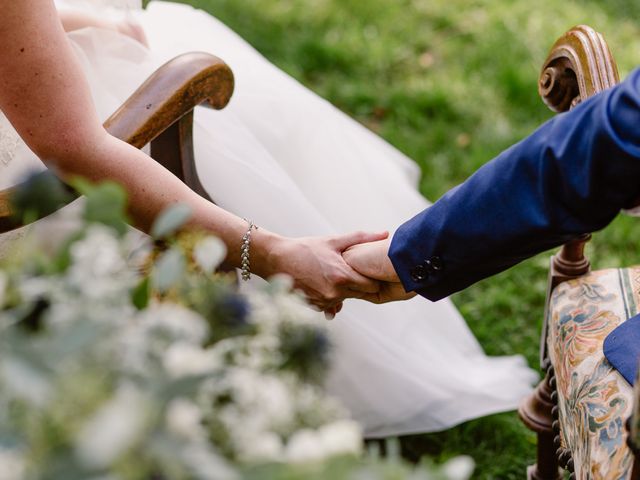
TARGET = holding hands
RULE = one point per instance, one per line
(319, 270)
(329, 270)
(371, 260)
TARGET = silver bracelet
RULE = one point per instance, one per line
(245, 265)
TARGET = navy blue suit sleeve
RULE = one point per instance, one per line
(571, 176)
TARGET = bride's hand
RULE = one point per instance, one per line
(133, 29)
(319, 270)
(75, 20)
(372, 260)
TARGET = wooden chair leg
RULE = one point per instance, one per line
(635, 469)
(173, 149)
(535, 413)
(635, 472)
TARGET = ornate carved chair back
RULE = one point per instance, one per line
(579, 65)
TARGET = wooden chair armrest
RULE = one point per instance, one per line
(170, 93)
(633, 431)
(579, 65)
(160, 112)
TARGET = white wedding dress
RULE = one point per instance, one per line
(293, 163)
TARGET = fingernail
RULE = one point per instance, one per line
(329, 316)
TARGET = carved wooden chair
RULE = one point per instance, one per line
(160, 113)
(580, 409)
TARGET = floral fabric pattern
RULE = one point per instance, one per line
(594, 400)
(635, 419)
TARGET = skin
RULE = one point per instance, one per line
(73, 20)
(372, 260)
(45, 96)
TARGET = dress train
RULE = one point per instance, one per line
(293, 163)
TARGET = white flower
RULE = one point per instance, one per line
(265, 395)
(272, 308)
(31, 289)
(316, 406)
(139, 248)
(293, 308)
(24, 381)
(342, 437)
(182, 359)
(99, 269)
(12, 465)
(49, 234)
(184, 419)
(113, 429)
(207, 464)
(281, 282)
(304, 446)
(173, 320)
(262, 447)
(209, 253)
(260, 352)
(458, 468)
(3, 287)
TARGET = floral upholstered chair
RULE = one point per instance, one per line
(585, 414)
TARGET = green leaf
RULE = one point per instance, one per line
(170, 220)
(169, 270)
(40, 195)
(62, 258)
(209, 253)
(186, 386)
(106, 203)
(141, 294)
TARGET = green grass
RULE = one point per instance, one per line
(450, 83)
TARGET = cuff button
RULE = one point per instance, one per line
(419, 273)
(435, 264)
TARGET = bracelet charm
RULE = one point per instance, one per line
(245, 264)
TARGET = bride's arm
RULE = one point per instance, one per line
(75, 20)
(46, 97)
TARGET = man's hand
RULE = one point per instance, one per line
(372, 260)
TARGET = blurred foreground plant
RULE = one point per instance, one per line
(112, 368)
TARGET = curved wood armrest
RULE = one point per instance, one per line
(578, 66)
(161, 108)
(171, 92)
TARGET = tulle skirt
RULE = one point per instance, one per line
(293, 163)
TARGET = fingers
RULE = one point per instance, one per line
(342, 242)
(359, 282)
(330, 304)
(390, 292)
(331, 313)
(130, 27)
(372, 260)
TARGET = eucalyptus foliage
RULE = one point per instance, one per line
(128, 357)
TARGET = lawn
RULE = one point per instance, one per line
(450, 83)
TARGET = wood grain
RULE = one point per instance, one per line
(160, 112)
